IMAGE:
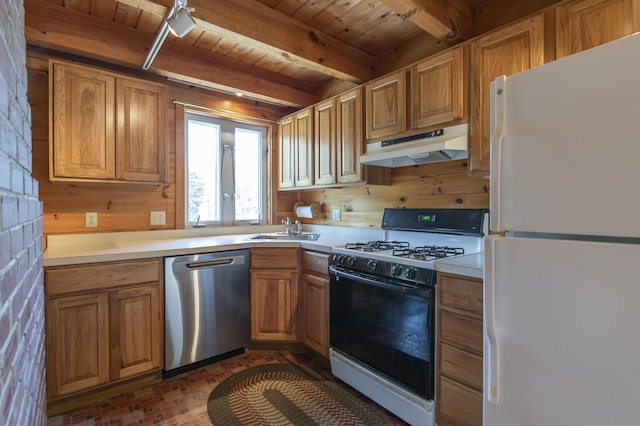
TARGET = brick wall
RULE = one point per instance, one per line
(22, 369)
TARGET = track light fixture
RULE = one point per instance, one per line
(179, 21)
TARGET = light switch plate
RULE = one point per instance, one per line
(157, 218)
(336, 214)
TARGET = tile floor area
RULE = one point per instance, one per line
(182, 399)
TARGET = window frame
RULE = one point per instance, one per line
(266, 126)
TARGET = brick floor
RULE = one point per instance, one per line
(182, 400)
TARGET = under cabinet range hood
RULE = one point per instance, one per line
(445, 144)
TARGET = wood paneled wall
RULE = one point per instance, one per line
(120, 207)
(126, 207)
(438, 185)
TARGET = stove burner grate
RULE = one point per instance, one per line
(372, 246)
(428, 252)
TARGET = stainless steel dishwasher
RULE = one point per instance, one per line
(206, 308)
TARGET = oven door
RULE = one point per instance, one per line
(384, 325)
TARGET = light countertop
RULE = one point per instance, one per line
(471, 265)
(63, 250)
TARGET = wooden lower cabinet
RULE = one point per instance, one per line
(104, 323)
(77, 343)
(274, 294)
(315, 301)
(136, 330)
(459, 346)
(461, 406)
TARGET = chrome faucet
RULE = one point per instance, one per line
(287, 225)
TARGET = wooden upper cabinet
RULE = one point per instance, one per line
(320, 146)
(105, 126)
(82, 142)
(325, 142)
(303, 148)
(286, 137)
(439, 88)
(349, 121)
(386, 100)
(584, 24)
(507, 51)
(296, 142)
(141, 141)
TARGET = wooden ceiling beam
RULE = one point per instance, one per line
(449, 21)
(257, 26)
(53, 26)
(413, 50)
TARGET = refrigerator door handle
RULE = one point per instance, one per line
(492, 352)
(497, 130)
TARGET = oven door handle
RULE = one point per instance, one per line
(380, 283)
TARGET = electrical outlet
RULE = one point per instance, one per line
(336, 214)
(91, 220)
(157, 218)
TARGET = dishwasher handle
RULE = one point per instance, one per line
(199, 262)
(210, 263)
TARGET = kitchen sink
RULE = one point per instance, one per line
(284, 236)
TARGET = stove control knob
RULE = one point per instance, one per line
(341, 259)
(396, 270)
(351, 260)
(411, 273)
(372, 265)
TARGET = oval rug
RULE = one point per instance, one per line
(280, 394)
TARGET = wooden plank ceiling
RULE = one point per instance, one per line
(288, 52)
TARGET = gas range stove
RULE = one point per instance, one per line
(416, 239)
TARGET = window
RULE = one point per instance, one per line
(225, 171)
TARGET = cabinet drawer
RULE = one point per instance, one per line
(458, 404)
(461, 293)
(461, 330)
(101, 276)
(461, 365)
(315, 263)
(274, 258)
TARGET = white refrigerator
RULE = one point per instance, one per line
(562, 271)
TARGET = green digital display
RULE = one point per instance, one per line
(427, 218)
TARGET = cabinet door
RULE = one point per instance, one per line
(82, 123)
(349, 121)
(136, 331)
(585, 24)
(508, 51)
(458, 405)
(77, 343)
(325, 142)
(285, 158)
(303, 148)
(386, 105)
(439, 89)
(274, 305)
(459, 346)
(315, 320)
(141, 136)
